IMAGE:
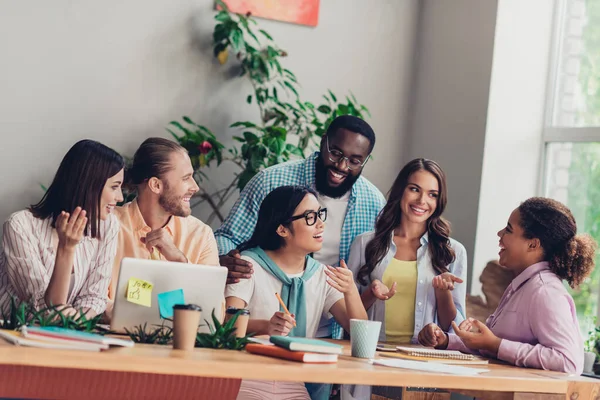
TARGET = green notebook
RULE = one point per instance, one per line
(306, 345)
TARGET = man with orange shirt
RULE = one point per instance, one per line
(158, 224)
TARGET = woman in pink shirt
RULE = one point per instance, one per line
(535, 324)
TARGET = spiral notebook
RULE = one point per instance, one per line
(427, 352)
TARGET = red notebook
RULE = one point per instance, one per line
(279, 352)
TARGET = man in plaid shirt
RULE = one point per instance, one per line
(352, 202)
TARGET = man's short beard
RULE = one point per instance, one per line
(172, 204)
(323, 186)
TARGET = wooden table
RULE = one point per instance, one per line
(148, 371)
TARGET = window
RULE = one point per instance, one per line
(571, 167)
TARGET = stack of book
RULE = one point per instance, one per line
(297, 349)
(62, 339)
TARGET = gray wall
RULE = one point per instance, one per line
(455, 42)
(119, 70)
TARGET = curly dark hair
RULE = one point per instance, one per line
(438, 228)
(571, 256)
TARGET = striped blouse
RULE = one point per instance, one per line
(29, 253)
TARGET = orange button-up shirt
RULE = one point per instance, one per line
(191, 236)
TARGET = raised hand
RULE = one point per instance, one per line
(341, 278)
(381, 291)
(70, 228)
(445, 281)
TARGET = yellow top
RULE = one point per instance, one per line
(400, 309)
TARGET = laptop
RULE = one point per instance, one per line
(202, 285)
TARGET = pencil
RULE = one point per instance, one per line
(283, 306)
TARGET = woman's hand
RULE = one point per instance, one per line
(432, 336)
(341, 278)
(70, 228)
(381, 291)
(281, 324)
(445, 281)
(484, 339)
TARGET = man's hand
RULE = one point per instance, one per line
(432, 336)
(238, 268)
(162, 240)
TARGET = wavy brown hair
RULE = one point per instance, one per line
(571, 256)
(438, 228)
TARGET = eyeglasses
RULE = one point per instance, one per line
(311, 216)
(336, 156)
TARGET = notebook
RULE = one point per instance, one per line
(51, 333)
(15, 337)
(428, 352)
(474, 361)
(307, 345)
(279, 352)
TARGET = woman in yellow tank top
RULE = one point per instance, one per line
(409, 271)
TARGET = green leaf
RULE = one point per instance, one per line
(291, 87)
(249, 99)
(237, 39)
(223, 16)
(276, 145)
(332, 95)
(324, 109)
(245, 124)
(244, 178)
(265, 34)
(250, 137)
(365, 109)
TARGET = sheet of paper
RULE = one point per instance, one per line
(429, 367)
(139, 292)
(167, 300)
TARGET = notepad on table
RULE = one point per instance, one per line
(397, 354)
(16, 338)
(434, 353)
(280, 352)
(307, 345)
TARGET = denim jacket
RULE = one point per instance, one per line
(425, 302)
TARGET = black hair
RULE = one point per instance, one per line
(276, 209)
(570, 256)
(79, 182)
(352, 124)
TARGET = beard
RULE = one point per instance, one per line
(173, 204)
(323, 186)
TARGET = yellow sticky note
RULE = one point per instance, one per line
(139, 292)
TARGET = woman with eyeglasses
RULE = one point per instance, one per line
(409, 271)
(290, 227)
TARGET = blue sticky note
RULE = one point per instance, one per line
(167, 300)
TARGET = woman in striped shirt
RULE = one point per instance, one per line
(60, 251)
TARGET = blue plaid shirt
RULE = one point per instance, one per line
(363, 206)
